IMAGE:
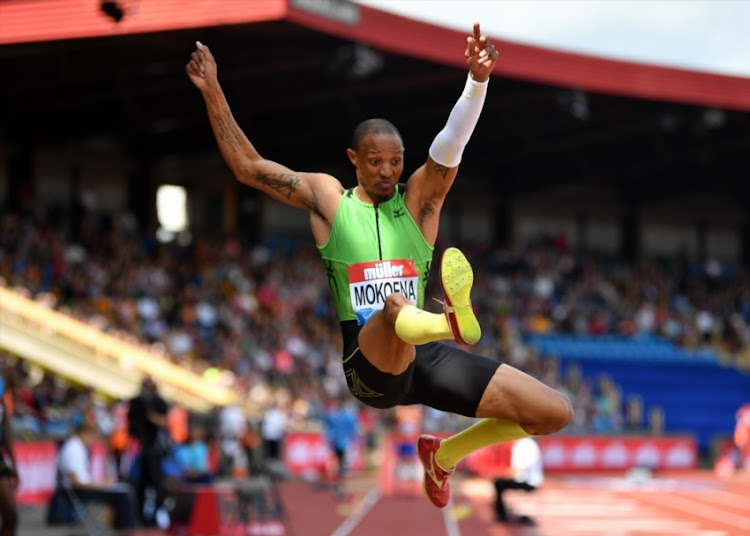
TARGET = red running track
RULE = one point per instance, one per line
(685, 504)
(692, 504)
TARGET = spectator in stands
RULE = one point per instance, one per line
(8, 470)
(605, 408)
(119, 438)
(74, 470)
(192, 457)
(232, 429)
(252, 442)
(526, 472)
(178, 423)
(340, 427)
(514, 289)
(634, 414)
(147, 420)
(274, 427)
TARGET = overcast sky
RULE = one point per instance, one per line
(705, 35)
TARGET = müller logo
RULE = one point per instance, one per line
(370, 283)
(383, 269)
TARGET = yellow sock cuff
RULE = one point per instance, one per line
(479, 435)
(416, 326)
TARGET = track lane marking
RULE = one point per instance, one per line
(357, 514)
(451, 525)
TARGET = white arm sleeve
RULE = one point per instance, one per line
(448, 146)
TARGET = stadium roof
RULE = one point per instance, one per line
(300, 74)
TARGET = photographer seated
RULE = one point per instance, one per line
(192, 457)
(75, 483)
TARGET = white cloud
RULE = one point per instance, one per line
(707, 35)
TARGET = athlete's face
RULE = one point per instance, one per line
(379, 162)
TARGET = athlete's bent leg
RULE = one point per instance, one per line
(389, 336)
(514, 405)
(378, 340)
(416, 326)
(458, 321)
(440, 457)
(481, 434)
(514, 395)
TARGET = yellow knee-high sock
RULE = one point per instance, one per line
(479, 435)
(416, 326)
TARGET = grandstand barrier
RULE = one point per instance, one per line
(306, 452)
(618, 453)
(37, 469)
(572, 454)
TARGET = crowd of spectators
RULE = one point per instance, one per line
(262, 311)
(547, 288)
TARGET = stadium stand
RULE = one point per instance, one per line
(77, 241)
(228, 339)
(86, 355)
(699, 395)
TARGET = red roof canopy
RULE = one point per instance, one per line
(23, 21)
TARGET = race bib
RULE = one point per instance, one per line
(371, 282)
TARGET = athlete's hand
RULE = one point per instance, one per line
(481, 55)
(202, 67)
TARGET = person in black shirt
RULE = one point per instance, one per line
(147, 422)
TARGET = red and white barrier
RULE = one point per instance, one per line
(36, 471)
(608, 453)
(308, 453)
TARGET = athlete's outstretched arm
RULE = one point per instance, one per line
(291, 187)
(431, 182)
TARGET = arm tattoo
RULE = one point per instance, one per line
(227, 131)
(283, 183)
(427, 211)
(441, 170)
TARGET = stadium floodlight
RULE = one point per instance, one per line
(171, 210)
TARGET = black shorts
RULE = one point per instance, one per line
(442, 377)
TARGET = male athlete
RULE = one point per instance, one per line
(376, 241)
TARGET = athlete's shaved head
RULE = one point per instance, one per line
(372, 126)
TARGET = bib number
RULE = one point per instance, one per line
(371, 282)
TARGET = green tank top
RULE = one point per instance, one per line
(373, 252)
